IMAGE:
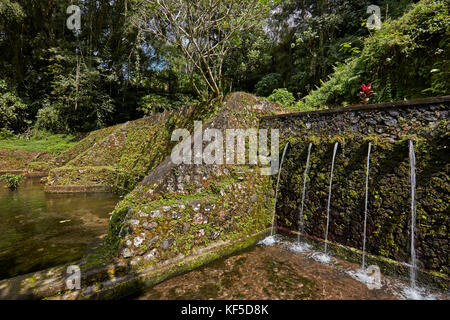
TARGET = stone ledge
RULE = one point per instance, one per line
(131, 283)
(364, 107)
(27, 173)
(387, 266)
(78, 189)
(50, 283)
(36, 285)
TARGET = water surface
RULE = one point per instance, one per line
(285, 271)
(40, 230)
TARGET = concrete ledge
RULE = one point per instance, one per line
(365, 107)
(121, 287)
(50, 283)
(34, 285)
(387, 266)
(77, 189)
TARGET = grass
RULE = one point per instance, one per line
(54, 143)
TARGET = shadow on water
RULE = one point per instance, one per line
(40, 230)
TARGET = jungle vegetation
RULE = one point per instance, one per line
(132, 58)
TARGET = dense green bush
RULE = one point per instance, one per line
(12, 109)
(12, 180)
(5, 133)
(268, 83)
(111, 72)
(48, 119)
(283, 97)
(405, 59)
(78, 100)
(153, 103)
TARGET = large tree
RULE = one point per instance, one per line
(203, 30)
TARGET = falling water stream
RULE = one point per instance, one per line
(411, 292)
(305, 179)
(366, 206)
(329, 196)
(412, 161)
(276, 190)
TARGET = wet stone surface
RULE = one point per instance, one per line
(266, 273)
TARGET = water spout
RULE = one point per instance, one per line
(412, 162)
(329, 195)
(305, 178)
(276, 189)
(366, 206)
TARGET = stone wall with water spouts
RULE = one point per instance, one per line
(389, 128)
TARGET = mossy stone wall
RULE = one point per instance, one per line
(388, 127)
(180, 208)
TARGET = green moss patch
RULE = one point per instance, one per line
(389, 217)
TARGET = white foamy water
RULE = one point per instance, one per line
(399, 289)
(360, 275)
(321, 257)
(370, 278)
(408, 293)
(269, 241)
(300, 247)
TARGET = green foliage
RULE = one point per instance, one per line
(12, 180)
(303, 107)
(111, 71)
(283, 97)
(64, 82)
(302, 42)
(268, 84)
(77, 101)
(48, 118)
(403, 60)
(5, 133)
(154, 103)
(203, 32)
(12, 109)
(246, 64)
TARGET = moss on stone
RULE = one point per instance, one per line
(388, 225)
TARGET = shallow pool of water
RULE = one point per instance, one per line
(280, 270)
(40, 230)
